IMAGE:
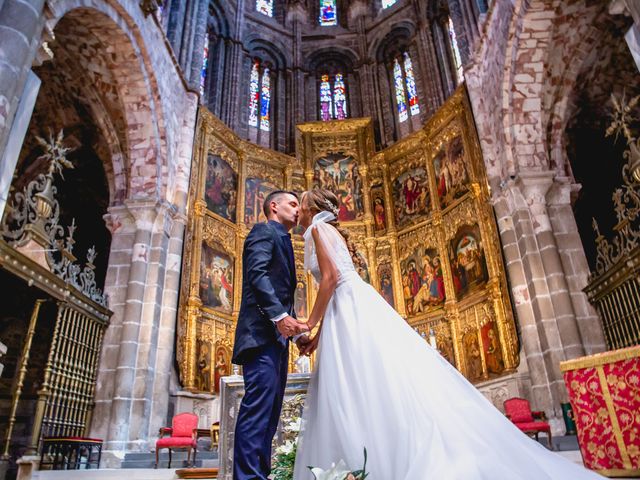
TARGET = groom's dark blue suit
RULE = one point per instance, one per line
(268, 284)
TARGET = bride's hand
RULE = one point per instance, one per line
(309, 347)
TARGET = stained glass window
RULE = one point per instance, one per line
(205, 64)
(328, 12)
(414, 107)
(254, 82)
(401, 99)
(457, 60)
(388, 3)
(326, 103)
(339, 98)
(265, 100)
(265, 7)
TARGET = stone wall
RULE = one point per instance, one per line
(119, 62)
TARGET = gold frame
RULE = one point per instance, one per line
(354, 137)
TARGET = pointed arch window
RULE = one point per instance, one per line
(455, 51)
(265, 7)
(265, 101)
(205, 65)
(260, 97)
(254, 87)
(404, 84)
(333, 97)
(328, 13)
(388, 3)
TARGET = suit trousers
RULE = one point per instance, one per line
(265, 379)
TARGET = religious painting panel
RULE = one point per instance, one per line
(216, 278)
(445, 342)
(451, 171)
(491, 348)
(422, 280)
(360, 261)
(411, 196)
(300, 304)
(223, 364)
(467, 261)
(203, 370)
(378, 208)
(472, 355)
(385, 280)
(255, 192)
(339, 173)
(221, 187)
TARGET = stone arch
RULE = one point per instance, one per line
(133, 97)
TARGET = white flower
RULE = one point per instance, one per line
(336, 472)
(294, 426)
(286, 449)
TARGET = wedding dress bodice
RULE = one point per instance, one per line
(333, 243)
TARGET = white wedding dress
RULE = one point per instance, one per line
(378, 384)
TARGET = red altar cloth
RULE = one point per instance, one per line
(604, 391)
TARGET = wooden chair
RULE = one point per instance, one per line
(518, 410)
(183, 436)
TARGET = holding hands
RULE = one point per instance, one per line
(290, 327)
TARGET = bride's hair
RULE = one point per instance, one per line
(323, 200)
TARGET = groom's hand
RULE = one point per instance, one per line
(289, 326)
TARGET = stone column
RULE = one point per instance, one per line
(21, 22)
(574, 263)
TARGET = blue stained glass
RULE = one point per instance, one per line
(254, 95)
(326, 110)
(401, 99)
(457, 59)
(205, 64)
(339, 98)
(328, 12)
(265, 101)
(414, 107)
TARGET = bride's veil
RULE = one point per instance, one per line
(331, 239)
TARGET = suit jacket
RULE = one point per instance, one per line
(268, 284)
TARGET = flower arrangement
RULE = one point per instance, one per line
(284, 457)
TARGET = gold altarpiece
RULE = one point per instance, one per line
(418, 214)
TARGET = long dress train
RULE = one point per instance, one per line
(378, 384)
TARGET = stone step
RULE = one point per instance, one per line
(107, 474)
(205, 459)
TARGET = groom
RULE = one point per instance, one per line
(265, 323)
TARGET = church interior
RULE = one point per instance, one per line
(466, 140)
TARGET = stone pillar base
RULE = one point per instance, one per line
(205, 405)
(27, 465)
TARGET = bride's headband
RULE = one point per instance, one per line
(332, 208)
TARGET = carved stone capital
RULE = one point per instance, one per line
(119, 220)
(144, 213)
(534, 187)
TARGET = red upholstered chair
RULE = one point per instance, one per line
(182, 436)
(518, 410)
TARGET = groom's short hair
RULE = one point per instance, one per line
(274, 196)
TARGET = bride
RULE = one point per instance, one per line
(378, 385)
